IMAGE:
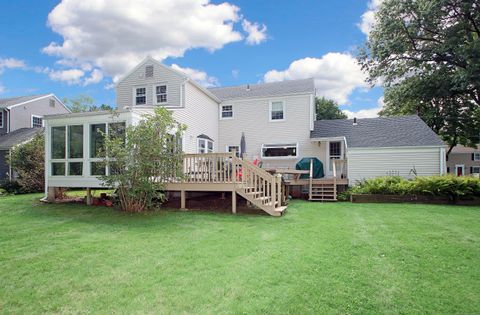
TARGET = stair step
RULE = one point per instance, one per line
(322, 199)
(281, 209)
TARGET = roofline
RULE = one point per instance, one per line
(39, 98)
(402, 146)
(86, 114)
(183, 75)
(262, 83)
(266, 96)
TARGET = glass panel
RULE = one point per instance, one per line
(280, 151)
(96, 140)
(58, 142)
(277, 110)
(75, 142)
(117, 130)
(97, 169)
(58, 169)
(75, 168)
(37, 122)
(201, 145)
(335, 149)
(210, 146)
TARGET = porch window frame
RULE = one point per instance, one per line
(280, 145)
(207, 141)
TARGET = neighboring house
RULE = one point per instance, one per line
(463, 161)
(20, 119)
(277, 120)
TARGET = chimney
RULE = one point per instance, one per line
(248, 87)
(355, 121)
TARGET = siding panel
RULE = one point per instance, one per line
(22, 115)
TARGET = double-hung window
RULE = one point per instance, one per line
(204, 145)
(67, 150)
(1, 118)
(227, 112)
(277, 110)
(140, 96)
(475, 169)
(231, 148)
(161, 93)
(37, 121)
(289, 150)
(476, 156)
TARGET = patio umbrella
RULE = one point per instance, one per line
(243, 145)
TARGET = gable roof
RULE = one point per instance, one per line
(379, 132)
(18, 136)
(181, 74)
(264, 89)
(7, 102)
(465, 150)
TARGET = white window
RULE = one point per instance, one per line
(475, 169)
(230, 148)
(227, 111)
(476, 156)
(1, 118)
(280, 150)
(140, 96)
(204, 145)
(277, 111)
(161, 93)
(37, 121)
(335, 152)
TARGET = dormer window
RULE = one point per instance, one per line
(149, 71)
(161, 93)
(140, 96)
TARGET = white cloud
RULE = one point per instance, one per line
(70, 76)
(367, 112)
(2, 89)
(256, 33)
(115, 35)
(197, 75)
(235, 73)
(368, 18)
(11, 63)
(336, 75)
(95, 77)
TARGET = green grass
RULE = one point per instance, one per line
(319, 258)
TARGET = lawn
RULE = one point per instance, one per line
(318, 258)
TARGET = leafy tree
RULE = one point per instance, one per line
(426, 53)
(328, 109)
(84, 103)
(142, 158)
(27, 160)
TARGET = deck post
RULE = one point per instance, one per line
(51, 194)
(182, 199)
(89, 196)
(234, 201)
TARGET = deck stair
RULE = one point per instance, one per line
(323, 189)
(262, 189)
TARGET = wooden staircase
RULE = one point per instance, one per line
(259, 187)
(323, 189)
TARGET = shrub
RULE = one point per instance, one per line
(28, 162)
(446, 185)
(11, 187)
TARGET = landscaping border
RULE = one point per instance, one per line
(378, 198)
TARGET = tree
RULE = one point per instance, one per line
(328, 109)
(426, 53)
(84, 103)
(27, 160)
(142, 158)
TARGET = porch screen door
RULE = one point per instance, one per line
(335, 152)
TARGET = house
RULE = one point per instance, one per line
(20, 119)
(464, 161)
(277, 121)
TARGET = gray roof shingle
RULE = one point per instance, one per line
(18, 136)
(379, 132)
(5, 102)
(264, 89)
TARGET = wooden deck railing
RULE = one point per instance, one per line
(253, 183)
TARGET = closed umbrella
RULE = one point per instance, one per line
(243, 145)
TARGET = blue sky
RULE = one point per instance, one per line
(80, 47)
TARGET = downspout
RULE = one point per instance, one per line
(8, 119)
(10, 164)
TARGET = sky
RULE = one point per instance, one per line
(74, 47)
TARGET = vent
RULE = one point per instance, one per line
(52, 103)
(149, 72)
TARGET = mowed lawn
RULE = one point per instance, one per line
(318, 258)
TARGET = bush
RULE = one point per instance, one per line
(446, 185)
(12, 187)
(28, 161)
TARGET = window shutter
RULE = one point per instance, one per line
(473, 156)
(448, 169)
(471, 170)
